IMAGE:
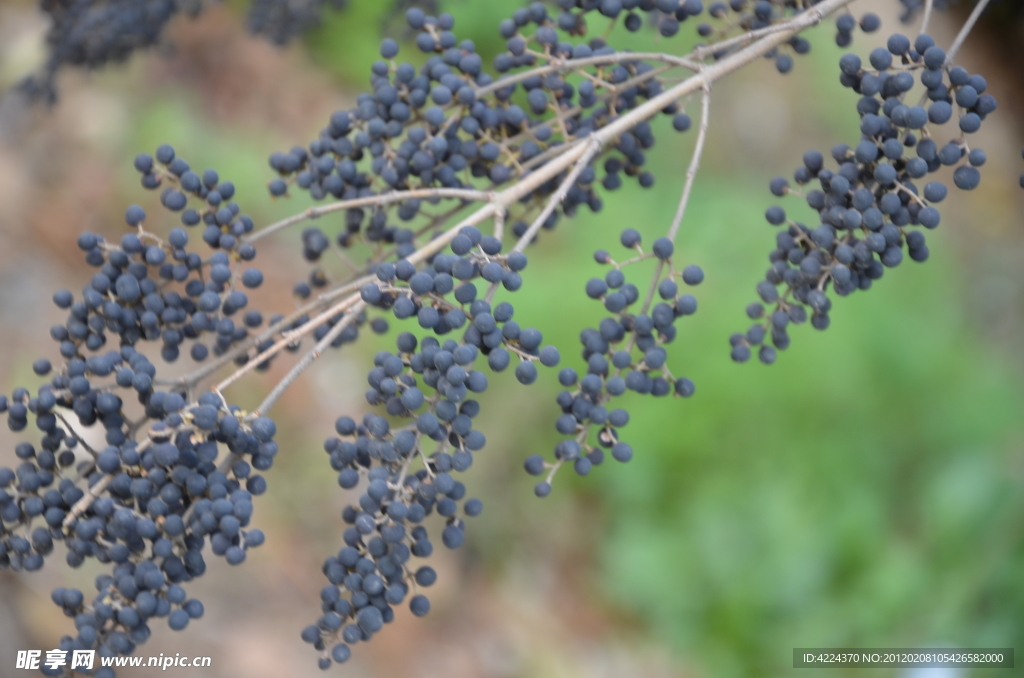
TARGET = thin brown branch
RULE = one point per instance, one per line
(966, 30)
(926, 19)
(593, 148)
(371, 201)
(286, 339)
(691, 171)
(569, 65)
(309, 359)
(691, 174)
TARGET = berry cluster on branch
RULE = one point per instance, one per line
(94, 33)
(870, 207)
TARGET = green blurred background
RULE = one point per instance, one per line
(865, 491)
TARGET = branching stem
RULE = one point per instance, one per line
(309, 358)
(593, 148)
(572, 156)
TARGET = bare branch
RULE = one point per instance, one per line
(704, 51)
(691, 174)
(286, 339)
(309, 359)
(593, 148)
(691, 171)
(966, 30)
(926, 19)
(568, 65)
(371, 201)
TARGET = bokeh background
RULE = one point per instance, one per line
(867, 490)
